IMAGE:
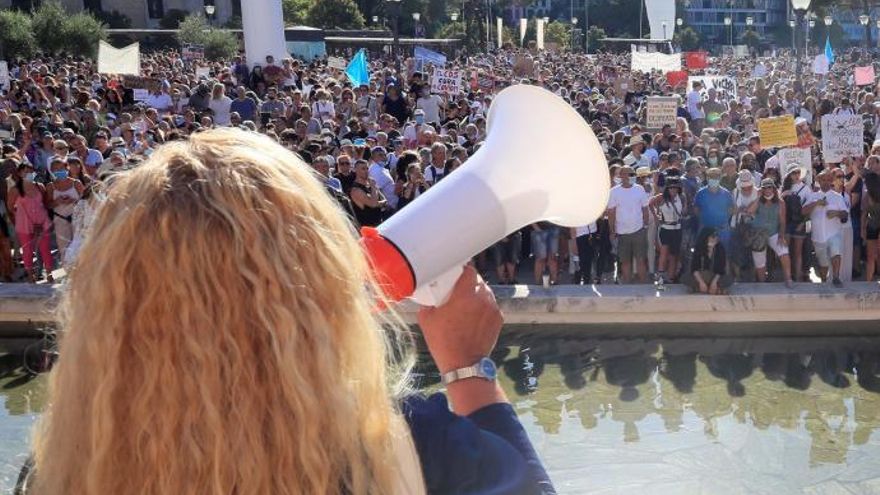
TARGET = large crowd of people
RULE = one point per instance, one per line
(701, 202)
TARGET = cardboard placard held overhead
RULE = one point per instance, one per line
(864, 76)
(842, 136)
(803, 157)
(777, 132)
(446, 81)
(4, 75)
(725, 86)
(338, 63)
(661, 111)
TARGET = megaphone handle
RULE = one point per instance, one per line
(437, 291)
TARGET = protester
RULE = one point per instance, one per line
(827, 211)
(708, 270)
(768, 215)
(628, 217)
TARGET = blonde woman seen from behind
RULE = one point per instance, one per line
(226, 308)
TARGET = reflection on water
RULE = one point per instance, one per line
(669, 416)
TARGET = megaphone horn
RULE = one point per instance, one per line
(540, 161)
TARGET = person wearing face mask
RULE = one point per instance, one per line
(713, 206)
(83, 215)
(769, 219)
(828, 212)
(26, 203)
(795, 194)
(708, 270)
(63, 193)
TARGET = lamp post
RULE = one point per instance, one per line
(209, 13)
(394, 12)
(416, 16)
(664, 29)
(574, 23)
(729, 23)
(864, 20)
(792, 24)
(878, 29)
(800, 9)
(453, 16)
(679, 22)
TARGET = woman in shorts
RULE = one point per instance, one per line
(669, 209)
(769, 216)
(871, 223)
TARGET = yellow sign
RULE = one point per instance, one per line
(777, 132)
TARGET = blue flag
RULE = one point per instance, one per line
(829, 53)
(357, 71)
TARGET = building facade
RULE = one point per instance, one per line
(144, 14)
(708, 17)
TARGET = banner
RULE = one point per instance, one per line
(446, 81)
(842, 136)
(358, 71)
(499, 28)
(425, 57)
(646, 62)
(776, 132)
(696, 60)
(661, 17)
(337, 63)
(820, 64)
(523, 26)
(4, 75)
(191, 52)
(865, 75)
(661, 111)
(138, 82)
(539, 33)
(125, 60)
(677, 78)
(725, 86)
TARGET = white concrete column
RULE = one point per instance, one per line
(263, 22)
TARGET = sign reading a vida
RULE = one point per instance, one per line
(446, 81)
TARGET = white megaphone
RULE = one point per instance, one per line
(540, 161)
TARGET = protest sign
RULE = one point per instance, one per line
(801, 156)
(446, 81)
(338, 63)
(842, 136)
(125, 60)
(865, 75)
(725, 86)
(777, 131)
(677, 78)
(696, 60)
(662, 110)
(647, 62)
(4, 75)
(140, 94)
(190, 51)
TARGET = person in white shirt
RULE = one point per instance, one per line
(159, 99)
(628, 216)
(431, 104)
(828, 212)
(220, 105)
(695, 108)
(381, 176)
(436, 170)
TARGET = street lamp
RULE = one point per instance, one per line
(729, 23)
(800, 9)
(679, 22)
(829, 20)
(864, 20)
(453, 16)
(812, 23)
(749, 21)
(394, 12)
(574, 22)
(664, 29)
(209, 13)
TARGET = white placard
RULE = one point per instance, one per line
(842, 136)
(126, 60)
(646, 62)
(4, 75)
(801, 156)
(337, 63)
(662, 110)
(725, 86)
(446, 81)
(140, 94)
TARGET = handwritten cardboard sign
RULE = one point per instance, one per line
(865, 75)
(725, 86)
(662, 110)
(842, 136)
(777, 131)
(446, 81)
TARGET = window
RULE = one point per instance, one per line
(236, 8)
(156, 9)
(93, 6)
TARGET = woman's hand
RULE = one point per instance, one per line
(464, 329)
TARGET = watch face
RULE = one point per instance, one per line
(487, 367)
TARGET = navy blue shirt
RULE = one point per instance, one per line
(487, 452)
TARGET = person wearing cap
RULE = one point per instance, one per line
(795, 194)
(768, 214)
(382, 177)
(828, 212)
(713, 206)
(628, 218)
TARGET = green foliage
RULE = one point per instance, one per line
(172, 19)
(233, 22)
(595, 34)
(57, 31)
(687, 38)
(751, 38)
(220, 44)
(451, 30)
(192, 30)
(48, 24)
(295, 11)
(329, 14)
(16, 35)
(81, 33)
(559, 33)
(114, 19)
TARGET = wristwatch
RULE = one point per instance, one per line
(484, 368)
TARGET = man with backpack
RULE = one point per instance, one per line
(437, 169)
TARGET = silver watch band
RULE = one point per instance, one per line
(459, 374)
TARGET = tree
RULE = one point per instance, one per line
(172, 19)
(688, 39)
(295, 11)
(451, 30)
(192, 30)
(81, 33)
(114, 19)
(751, 38)
(16, 35)
(595, 35)
(559, 33)
(330, 14)
(219, 44)
(48, 24)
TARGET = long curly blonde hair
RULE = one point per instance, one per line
(219, 337)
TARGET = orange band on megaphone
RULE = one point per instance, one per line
(390, 267)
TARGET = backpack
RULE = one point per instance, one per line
(794, 209)
(436, 176)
